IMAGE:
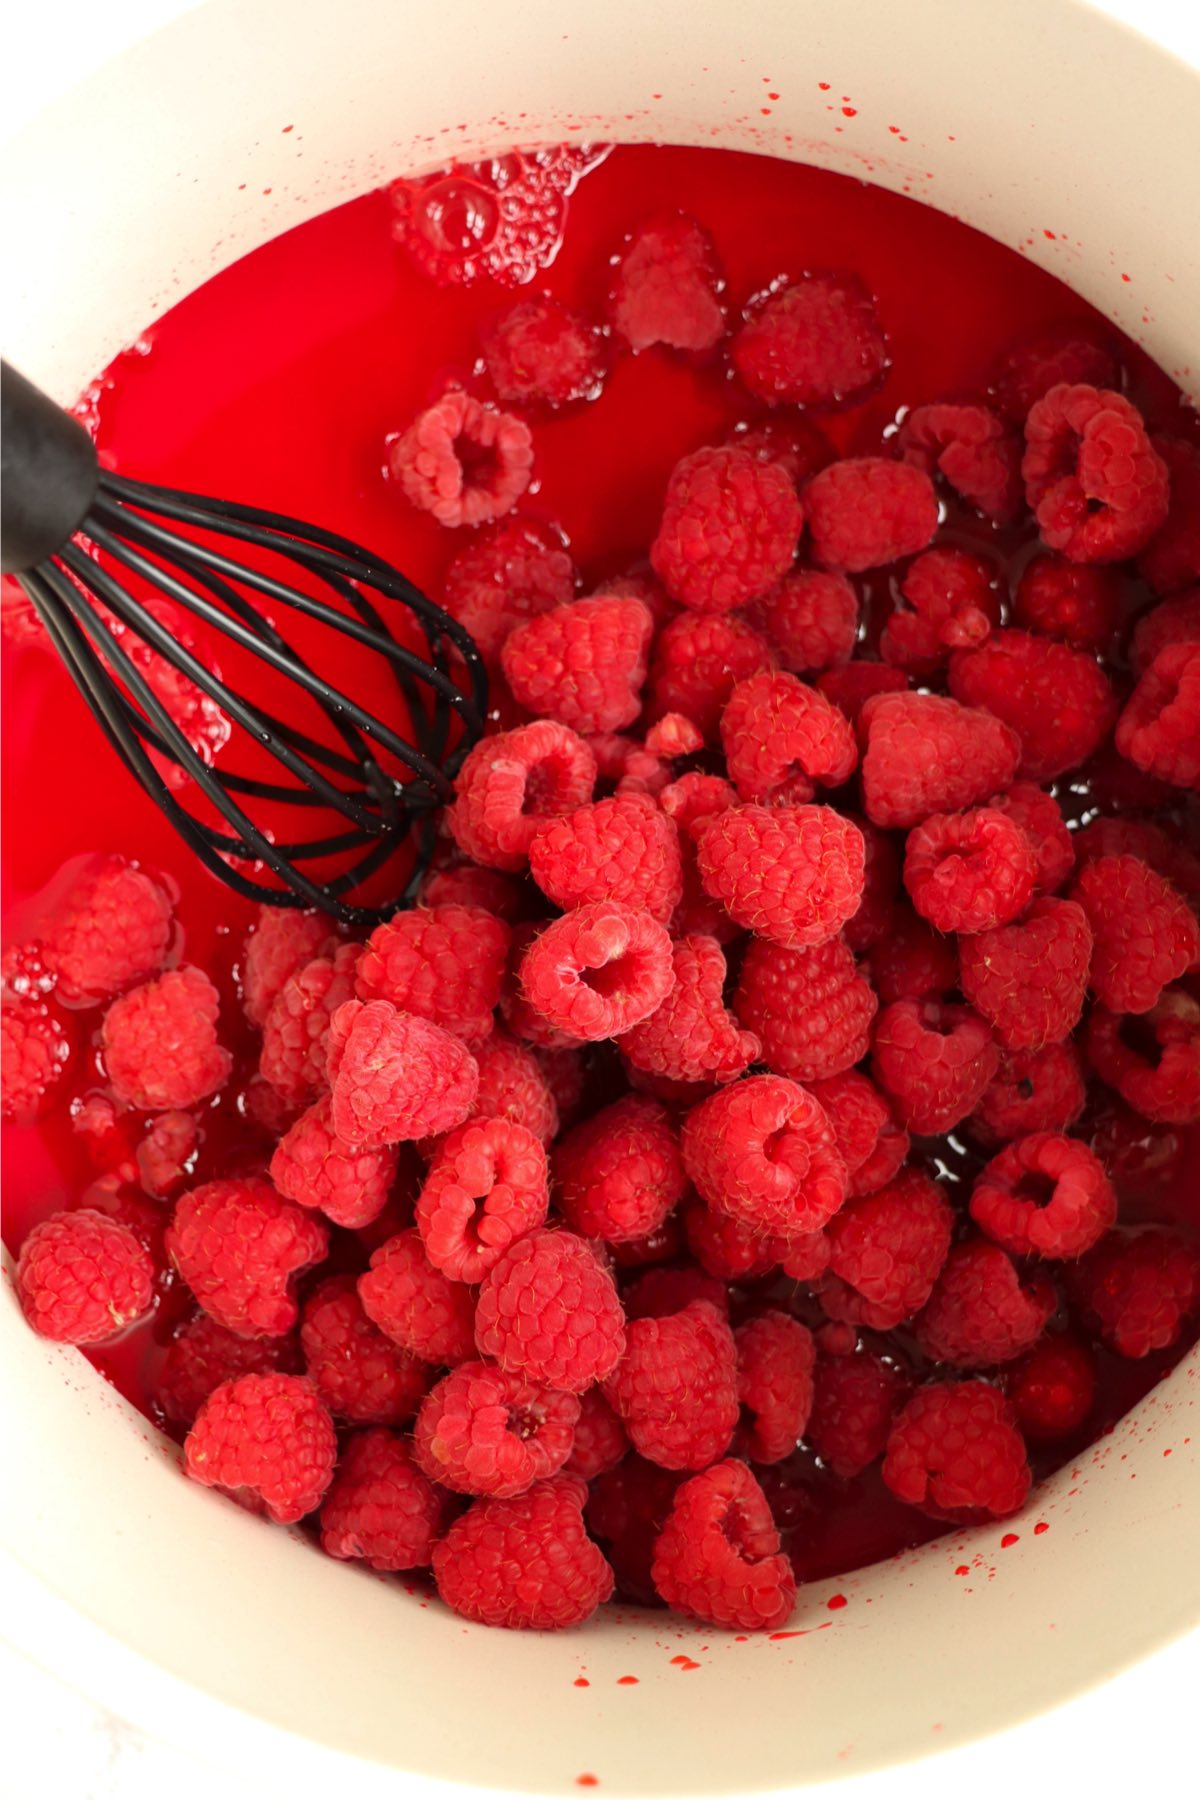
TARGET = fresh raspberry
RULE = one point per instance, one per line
(1068, 352)
(469, 885)
(1045, 1195)
(810, 1009)
(666, 286)
(295, 1046)
(872, 918)
(1138, 1288)
(205, 1354)
(1038, 816)
(281, 941)
(1175, 621)
(694, 798)
(166, 1156)
(1077, 603)
(872, 1145)
(812, 620)
(951, 603)
(973, 449)
(1032, 1090)
(417, 1306)
(1172, 557)
(624, 848)
(673, 736)
(979, 1313)
(625, 766)
(934, 1060)
(1151, 1058)
(508, 573)
(912, 962)
(487, 1186)
(82, 1278)
(511, 781)
(852, 685)
(1163, 851)
(729, 1250)
(1028, 980)
(599, 970)
(480, 1431)
(795, 443)
(583, 664)
(525, 1563)
(970, 871)
(641, 583)
(1059, 701)
(523, 1020)
(793, 874)
(927, 754)
(867, 511)
(35, 1051)
(380, 1507)
(656, 1247)
(1159, 729)
(539, 352)
(698, 659)
(513, 1085)
(718, 1556)
(112, 929)
(160, 1042)
(266, 1109)
(729, 530)
(1052, 1388)
(955, 1452)
(549, 1311)
(675, 1388)
(855, 1399)
(565, 1075)
(462, 461)
(237, 1244)
(266, 1439)
(816, 341)
(886, 1252)
(1094, 481)
(692, 1036)
(764, 1152)
(775, 1358)
(361, 1375)
(619, 1174)
(313, 1167)
(600, 1440)
(627, 1508)
(443, 963)
(780, 737)
(657, 1293)
(396, 1076)
(1146, 935)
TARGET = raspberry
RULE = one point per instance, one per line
(1151, 1058)
(666, 286)
(81, 1277)
(718, 1557)
(313, 1167)
(627, 1507)
(1172, 557)
(805, 1259)
(1045, 1195)
(160, 1042)
(296, 1033)
(507, 573)
(872, 1145)
(692, 1036)
(674, 735)
(793, 874)
(912, 962)
(522, 1019)
(729, 1250)
(797, 445)
(972, 448)
(112, 929)
(657, 1293)
(1028, 980)
(694, 798)
(812, 620)
(1159, 729)
(480, 1431)
(565, 1076)
(549, 1311)
(1052, 1388)
(380, 1507)
(205, 1354)
(927, 754)
(279, 944)
(851, 686)
(1145, 933)
(1068, 352)
(599, 970)
(698, 659)
(469, 885)
(729, 530)
(854, 1401)
(600, 1441)
(1094, 481)
(872, 919)
(979, 1314)
(1039, 818)
(1059, 701)
(513, 1085)
(1138, 1288)
(955, 1452)
(237, 1244)
(361, 1375)
(816, 341)
(264, 1438)
(583, 664)
(675, 1388)
(969, 872)
(623, 848)
(764, 1152)
(487, 1186)
(618, 1175)
(1076, 603)
(1032, 1090)
(538, 351)
(443, 963)
(935, 1060)
(525, 1563)
(775, 1358)
(462, 461)
(396, 1076)
(952, 603)
(509, 782)
(810, 1009)
(867, 511)
(627, 767)
(35, 1051)
(780, 737)
(886, 1252)
(1174, 621)
(1163, 852)
(417, 1306)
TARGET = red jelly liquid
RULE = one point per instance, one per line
(277, 384)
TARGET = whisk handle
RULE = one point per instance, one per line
(48, 474)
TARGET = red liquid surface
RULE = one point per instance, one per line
(277, 384)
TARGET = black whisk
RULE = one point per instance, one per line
(75, 535)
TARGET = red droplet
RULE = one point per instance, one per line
(587, 1781)
(1126, 278)
(1009, 1539)
(850, 112)
(582, 1681)
(1047, 233)
(1040, 1527)
(627, 1680)
(962, 1569)
(836, 1602)
(824, 86)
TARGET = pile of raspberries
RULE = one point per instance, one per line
(609, 1173)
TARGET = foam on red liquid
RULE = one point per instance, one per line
(277, 383)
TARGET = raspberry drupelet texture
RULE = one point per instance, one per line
(360, 1374)
(396, 1076)
(792, 874)
(934, 1060)
(623, 848)
(1096, 485)
(160, 1042)
(1152, 1058)
(951, 603)
(279, 943)
(657, 1293)
(112, 929)
(666, 286)
(1032, 1090)
(969, 871)
(1052, 1388)
(698, 659)
(238, 1244)
(463, 461)
(417, 1306)
(1058, 700)
(1175, 621)
(583, 664)
(487, 1186)
(1172, 557)
(204, 1354)
(873, 1146)
(1138, 1288)
(980, 1313)
(1068, 352)
(812, 620)
(782, 738)
(729, 530)
(506, 574)
(443, 963)
(618, 1175)
(380, 1509)
(973, 449)
(886, 1251)
(1159, 729)
(775, 1359)
(317, 1169)
(1039, 817)
(267, 1439)
(549, 1311)
(525, 1563)
(675, 1388)
(852, 684)
(296, 1032)
(727, 1249)
(816, 341)
(1028, 980)
(718, 1555)
(692, 1036)
(466, 884)
(514, 1085)
(510, 782)
(867, 511)
(482, 1431)
(912, 962)
(35, 1051)
(539, 352)
(627, 1508)
(855, 1399)
(600, 1440)
(1161, 850)
(811, 1010)
(81, 1277)
(597, 971)
(925, 754)
(871, 919)
(955, 1452)
(1076, 602)
(764, 1152)
(1045, 1195)
(1145, 934)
